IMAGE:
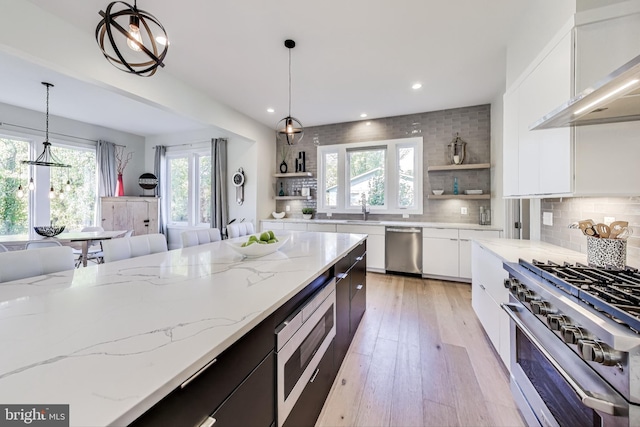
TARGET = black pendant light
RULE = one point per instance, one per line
(289, 129)
(47, 158)
(136, 42)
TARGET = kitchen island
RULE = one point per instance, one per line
(112, 340)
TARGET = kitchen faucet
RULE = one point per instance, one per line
(365, 209)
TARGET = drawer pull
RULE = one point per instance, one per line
(482, 287)
(360, 287)
(208, 422)
(315, 374)
(360, 258)
(197, 374)
(342, 275)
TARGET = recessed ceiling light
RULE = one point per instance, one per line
(270, 110)
(363, 115)
(416, 86)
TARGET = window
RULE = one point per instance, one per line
(386, 174)
(14, 210)
(73, 207)
(189, 174)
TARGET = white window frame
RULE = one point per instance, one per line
(193, 154)
(392, 178)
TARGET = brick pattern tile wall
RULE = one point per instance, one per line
(438, 129)
(568, 210)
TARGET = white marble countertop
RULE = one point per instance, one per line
(457, 225)
(511, 250)
(111, 340)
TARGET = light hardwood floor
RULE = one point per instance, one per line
(419, 358)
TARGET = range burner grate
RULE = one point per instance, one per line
(613, 292)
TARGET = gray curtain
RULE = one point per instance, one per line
(160, 171)
(107, 177)
(219, 206)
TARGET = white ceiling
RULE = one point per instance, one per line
(352, 56)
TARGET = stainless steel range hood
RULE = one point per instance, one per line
(616, 98)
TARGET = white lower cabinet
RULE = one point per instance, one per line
(487, 293)
(440, 252)
(464, 257)
(447, 251)
(327, 228)
(271, 225)
(295, 226)
(375, 243)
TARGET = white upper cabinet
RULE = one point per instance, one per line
(572, 161)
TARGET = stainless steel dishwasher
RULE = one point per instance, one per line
(403, 250)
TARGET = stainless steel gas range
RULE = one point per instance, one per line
(575, 339)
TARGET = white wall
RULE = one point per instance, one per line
(540, 23)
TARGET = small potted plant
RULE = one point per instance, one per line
(307, 213)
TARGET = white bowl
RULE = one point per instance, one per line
(278, 215)
(438, 192)
(256, 250)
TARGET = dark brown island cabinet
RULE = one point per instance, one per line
(238, 387)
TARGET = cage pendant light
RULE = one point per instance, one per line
(47, 158)
(132, 39)
(289, 129)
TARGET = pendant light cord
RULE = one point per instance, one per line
(46, 135)
(290, 82)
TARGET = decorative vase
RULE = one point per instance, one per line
(120, 186)
(283, 167)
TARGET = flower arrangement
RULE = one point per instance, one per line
(307, 211)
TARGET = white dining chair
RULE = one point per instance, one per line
(200, 237)
(37, 244)
(240, 229)
(15, 265)
(94, 253)
(131, 247)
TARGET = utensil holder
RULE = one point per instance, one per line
(606, 252)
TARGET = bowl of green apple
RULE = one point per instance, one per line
(257, 245)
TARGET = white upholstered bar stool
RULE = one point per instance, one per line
(16, 265)
(200, 237)
(241, 229)
(37, 244)
(131, 247)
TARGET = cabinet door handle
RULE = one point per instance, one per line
(464, 240)
(197, 374)
(208, 422)
(360, 258)
(482, 287)
(146, 220)
(342, 275)
(360, 287)
(454, 240)
(315, 374)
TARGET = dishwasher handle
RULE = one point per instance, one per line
(403, 230)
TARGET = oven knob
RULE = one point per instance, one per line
(542, 308)
(526, 295)
(507, 282)
(557, 321)
(573, 334)
(598, 352)
(512, 284)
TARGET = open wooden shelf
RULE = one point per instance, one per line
(293, 175)
(461, 196)
(459, 167)
(293, 197)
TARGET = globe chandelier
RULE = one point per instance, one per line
(132, 39)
